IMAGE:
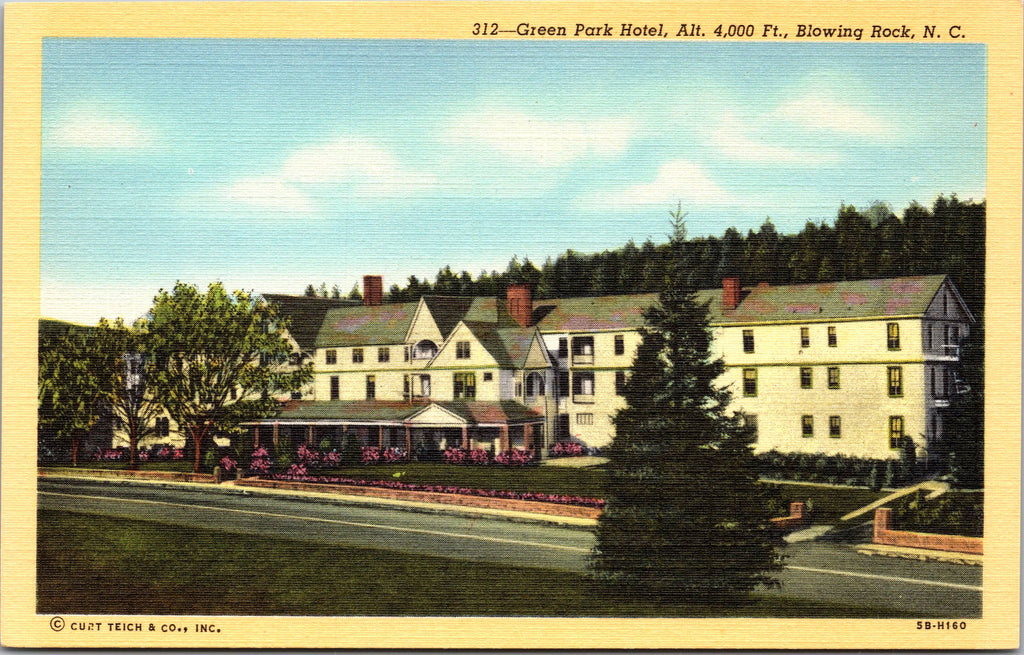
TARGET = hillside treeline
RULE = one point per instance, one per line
(948, 237)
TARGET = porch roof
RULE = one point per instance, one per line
(503, 412)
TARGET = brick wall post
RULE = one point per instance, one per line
(883, 523)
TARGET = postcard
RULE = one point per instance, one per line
(511, 325)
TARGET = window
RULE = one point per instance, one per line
(833, 377)
(748, 341)
(620, 344)
(893, 331)
(331, 357)
(405, 354)
(805, 337)
(357, 355)
(585, 419)
(750, 422)
(583, 387)
(806, 377)
(371, 387)
(425, 386)
(563, 383)
(296, 395)
(895, 381)
(750, 382)
(406, 387)
(424, 349)
(583, 350)
(534, 384)
(956, 335)
(563, 347)
(488, 377)
(620, 382)
(383, 354)
(464, 385)
(233, 393)
(335, 387)
(461, 350)
(895, 432)
(519, 389)
(807, 425)
(832, 339)
(163, 427)
(835, 427)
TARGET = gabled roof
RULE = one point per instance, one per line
(902, 296)
(366, 325)
(621, 312)
(306, 313)
(382, 411)
(510, 346)
(447, 311)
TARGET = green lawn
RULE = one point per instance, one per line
(828, 504)
(97, 565)
(179, 466)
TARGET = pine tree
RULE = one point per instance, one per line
(685, 519)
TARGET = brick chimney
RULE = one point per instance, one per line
(520, 303)
(730, 292)
(373, 290)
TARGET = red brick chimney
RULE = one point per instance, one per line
(373, 290)
(520, 303)
(730, 292)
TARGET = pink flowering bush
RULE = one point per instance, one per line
(566, 449)
(393, 455)
(455, 456)
(142, 455)
(332, 458)
(228, 464)
(296, 471)
(375, 455)
(178, 454)
(371, 455)
(164, 453)
(294, 474)
(514, 457)
(109, 455)
(259, 461)
(308, 456)
(479, 456)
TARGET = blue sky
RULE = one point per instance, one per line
(270, 164)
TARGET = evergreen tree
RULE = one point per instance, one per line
(686, 519)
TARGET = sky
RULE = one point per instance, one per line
(271, 164)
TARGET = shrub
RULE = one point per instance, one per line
(228, 464)
(393, 455)
(332, 458)
(455, 456)
(308, 456)
(950, 513)
(370, 455)
(514, 457)
(566, 449)
(259, 461)
(479, 456)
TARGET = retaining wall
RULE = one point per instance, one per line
(171, 476)
(886, 535)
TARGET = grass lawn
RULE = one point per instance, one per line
(180, 466)
(97, 565)
(587, 482)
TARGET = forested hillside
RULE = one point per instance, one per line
(948, 238)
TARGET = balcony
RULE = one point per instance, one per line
(583, 358)
(583, 398)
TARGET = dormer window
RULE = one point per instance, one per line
(425, 349)
(461, 350)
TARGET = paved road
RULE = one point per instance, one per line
(832, 573)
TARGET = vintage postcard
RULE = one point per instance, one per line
(516, 325)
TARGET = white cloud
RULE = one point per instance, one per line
(732, 139)
(677, 180)
(368, 168)
(824, 113)
(92, 127)
(535, 141)
(269, 193)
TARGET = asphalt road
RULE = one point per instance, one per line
(816, 571)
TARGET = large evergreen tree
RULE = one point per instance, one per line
(685, 519)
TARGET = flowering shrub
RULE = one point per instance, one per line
(371, 455)
(109, 455)
(479, 456)
(393, 455)
(514, 457)
(308, 456)
(142, 456)
(178, 454)
(437, 488)
(567, 449)
(259, 461)
(296, 471)
(332, 458)
(454, 456)
(228, 464)
(164, 453)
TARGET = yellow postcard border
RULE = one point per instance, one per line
(997, 24)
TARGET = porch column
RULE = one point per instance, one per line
(465, 437)
(380, 436)
(309, 435)
(503, 438)
(408, 443)
(256, 437)
(276, 433)
(528, 436)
